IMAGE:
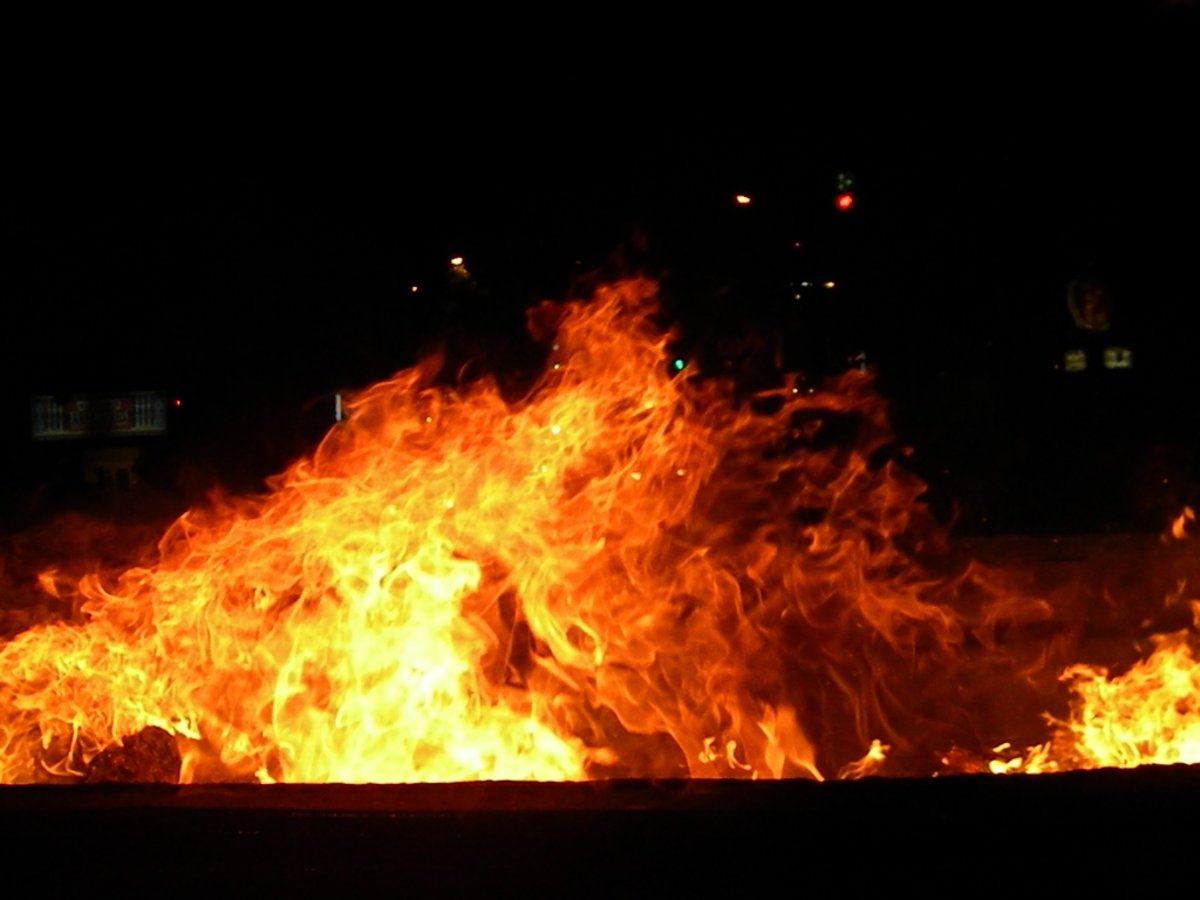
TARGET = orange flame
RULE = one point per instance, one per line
(624, 573)
(1150, 715)
(1181, 522)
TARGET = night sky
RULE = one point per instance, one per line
(252, 280)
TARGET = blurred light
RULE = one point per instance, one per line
(678, 364)
(741, 200)
(844, 201)
(413, 289)
(177, 402)
(458, 269)
(1118, 358)
(831, 285)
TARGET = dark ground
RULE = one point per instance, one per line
(989, 836)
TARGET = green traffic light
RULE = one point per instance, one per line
(679, 363)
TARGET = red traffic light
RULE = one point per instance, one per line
(844, 201)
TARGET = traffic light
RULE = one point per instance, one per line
(843, 199)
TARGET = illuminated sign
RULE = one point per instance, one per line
(1118, 358)
(137, 413)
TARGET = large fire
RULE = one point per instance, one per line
(625, 573)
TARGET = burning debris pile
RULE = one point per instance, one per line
(625, 574)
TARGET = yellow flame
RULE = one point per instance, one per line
(622, 573)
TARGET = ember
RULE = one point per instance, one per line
(627, 573)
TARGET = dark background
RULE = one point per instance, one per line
(251, 268)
